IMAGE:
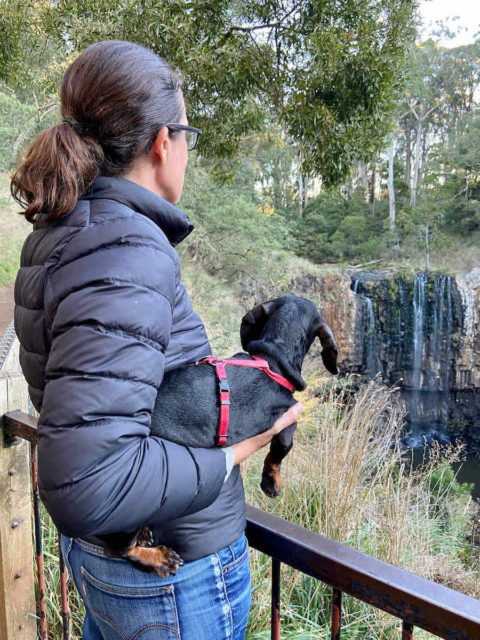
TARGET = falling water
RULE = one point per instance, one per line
(407, 331)
(371, 343)
(448, 348)
(373, 359)
(418, 331)
(433, 325)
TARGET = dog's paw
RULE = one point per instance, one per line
(169, 562)
(144, 537)
(161, 560)
(269, 487)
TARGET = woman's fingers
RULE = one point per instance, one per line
(243, 450)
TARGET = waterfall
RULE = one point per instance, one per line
(433, 319)
(437, 338)
(411, 330)
(371, 355)
(406, 330)
(448, 348)
(418, 314)
(373, 359)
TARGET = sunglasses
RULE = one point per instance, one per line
(192, 135)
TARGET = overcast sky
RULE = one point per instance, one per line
(467, 10)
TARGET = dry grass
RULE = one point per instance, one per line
(347, 478)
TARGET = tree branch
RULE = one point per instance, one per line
(258, 27)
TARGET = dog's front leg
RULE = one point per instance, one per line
(279, 447)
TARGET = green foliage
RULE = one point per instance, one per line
(461, 190)
(328, 72)
(14, 116)
(236, 236)
(335, 228)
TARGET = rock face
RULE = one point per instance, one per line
(419, 331)
(467, 365)
(332, 293)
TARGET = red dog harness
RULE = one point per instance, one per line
(219, 365)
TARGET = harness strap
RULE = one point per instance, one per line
(224, 387)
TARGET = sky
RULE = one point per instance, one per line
(469, 18)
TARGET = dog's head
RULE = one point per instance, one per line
(290, 317)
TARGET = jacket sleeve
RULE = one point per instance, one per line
(111, 315)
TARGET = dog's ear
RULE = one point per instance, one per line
(330, 349)
(254, 321)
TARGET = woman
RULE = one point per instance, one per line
(101, 313)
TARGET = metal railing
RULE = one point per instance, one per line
(417, 602)
(6, 342)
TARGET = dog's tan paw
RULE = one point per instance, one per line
(269, 486)
(161, 560)
(271, 478)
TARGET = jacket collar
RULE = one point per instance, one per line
(172, 221)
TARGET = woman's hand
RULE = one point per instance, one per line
(244, 449)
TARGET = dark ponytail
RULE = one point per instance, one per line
(113, 98)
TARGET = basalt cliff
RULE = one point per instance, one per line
(419, 331)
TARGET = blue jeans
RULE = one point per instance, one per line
(208, 599)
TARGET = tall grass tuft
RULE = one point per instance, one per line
(347, 478)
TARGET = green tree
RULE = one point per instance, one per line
(330, 72)
(460, 193)
(335, 228)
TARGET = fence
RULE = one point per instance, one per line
(416, 601)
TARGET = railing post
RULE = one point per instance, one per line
(336, 614)
(17, 593)
(275, 633)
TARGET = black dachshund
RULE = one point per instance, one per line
(186, 411)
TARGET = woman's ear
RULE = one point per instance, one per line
(160, 146)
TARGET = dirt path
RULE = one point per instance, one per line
(6, 307)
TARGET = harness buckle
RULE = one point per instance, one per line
(224, 386)
(224, 401)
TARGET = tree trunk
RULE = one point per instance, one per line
(416, 165)
(427, 246)
(349, 187)
(423, 157)
(362, 173)
(300, 194)
(306, 184)
(372, 184)
(391, 190)
(277, 184)
(408, 156)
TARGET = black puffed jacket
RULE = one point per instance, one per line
(101, 313)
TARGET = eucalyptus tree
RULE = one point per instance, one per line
(328, 72)
(440, 89)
